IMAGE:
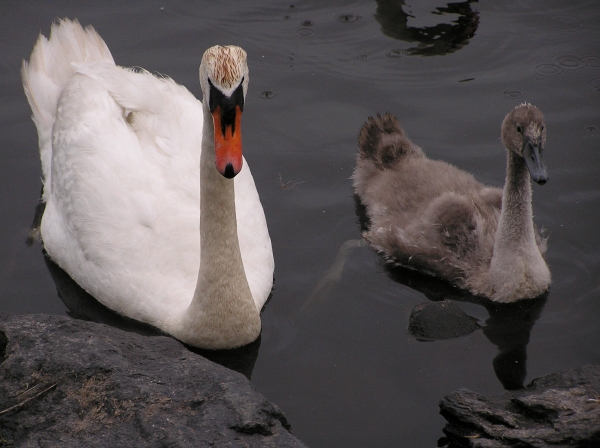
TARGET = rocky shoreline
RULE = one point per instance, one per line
(557, 410)
(71, 383)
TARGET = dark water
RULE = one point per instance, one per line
(335, 352)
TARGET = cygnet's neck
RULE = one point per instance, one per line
(222, 313)
(517, 267)
(515, 228)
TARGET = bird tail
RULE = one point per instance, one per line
(48, 70)
(382, 140)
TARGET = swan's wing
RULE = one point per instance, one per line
(253, 235)
(47, 72)
(123, 216)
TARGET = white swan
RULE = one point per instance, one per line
(429, 215)
(141, 210)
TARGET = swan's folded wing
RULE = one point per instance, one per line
(118, 220)
(254, 239)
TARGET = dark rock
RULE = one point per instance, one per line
(558, 410)
(440, 320)
(71, 383)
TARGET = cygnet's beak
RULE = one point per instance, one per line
(227, 121)
(534, 159)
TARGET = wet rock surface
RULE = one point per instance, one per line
(70, 383)
(558, 410)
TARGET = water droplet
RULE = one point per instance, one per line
(513, 94)
(466, 80)
(569, 61)
(547, 69)
(591, 128)
(592, 62)
(348, 18)
(266, 94)
(596, 89)
(394, 54)
(304, 32)
(307, 23)
(361, 56)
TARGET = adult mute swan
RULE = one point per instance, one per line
(142, 207)
(430, 216)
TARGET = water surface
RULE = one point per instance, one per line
(335, 352)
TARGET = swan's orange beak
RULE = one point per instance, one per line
(228, 141)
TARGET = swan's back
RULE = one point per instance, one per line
(121, 153)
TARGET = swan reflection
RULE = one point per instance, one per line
(508, 326)
(443, 37)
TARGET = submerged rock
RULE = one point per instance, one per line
(558, 410)
(71, 383)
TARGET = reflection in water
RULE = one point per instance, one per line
(432, 321)
(83, 306)
(333, 275)
(508, 326)
(439, 39)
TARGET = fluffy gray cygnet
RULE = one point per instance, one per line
(430, 216)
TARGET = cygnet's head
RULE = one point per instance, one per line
(524, 133)
(224, 81)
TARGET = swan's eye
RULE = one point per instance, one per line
(519, 129)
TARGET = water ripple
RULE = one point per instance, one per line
(266, 94)
(547, 69)
(348, 18)
(305, 32)
(563, 22)
(591, 62)
(569, 61)
(513, 94)
(394, 54)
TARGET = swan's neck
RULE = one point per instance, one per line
(222, 313)
(517, 267)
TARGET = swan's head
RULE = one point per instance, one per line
(224, 82)
(524, 133)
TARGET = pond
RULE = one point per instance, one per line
(335, 352)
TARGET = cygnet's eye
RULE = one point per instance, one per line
(519, 129)
(542, 128)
